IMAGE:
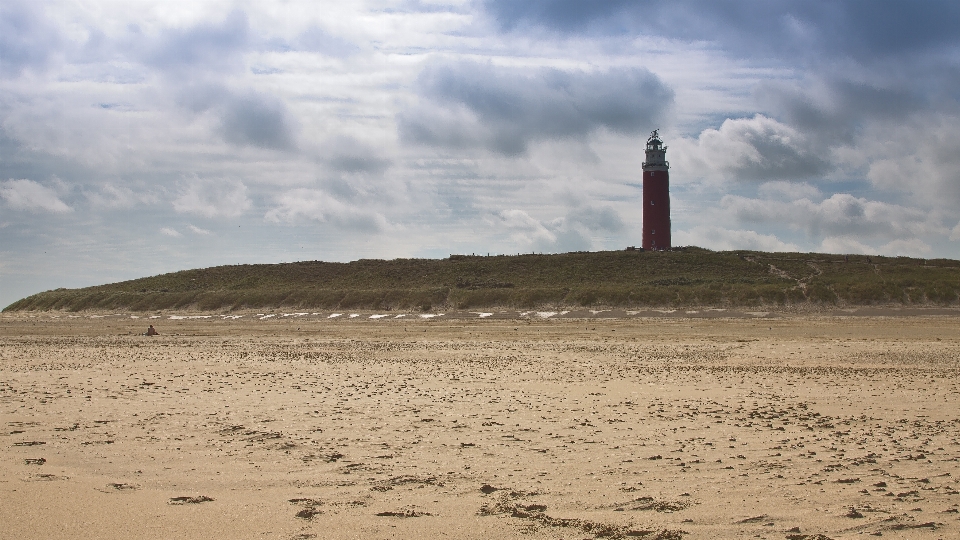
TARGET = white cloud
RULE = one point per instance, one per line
(115, 196)
(199, 231)
(595, 218)
(524, 230)
(790, 191)
(955, 233)
(213, 198)
(911, 247)
(920, 157)
(721, 239)
(315, 205)
(846, 245)
(841, 214)
(758, 148)
(242, 118)
(574, 231)
(26, 194)
(170, 232)
(350, 155)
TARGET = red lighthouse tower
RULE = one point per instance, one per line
(656, 195)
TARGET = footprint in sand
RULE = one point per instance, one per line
(310, 507)
(190, 500)
(44, 478)
(118, 487)
(405, 513)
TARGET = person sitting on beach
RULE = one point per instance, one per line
(152, 331)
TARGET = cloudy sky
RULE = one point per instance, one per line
(145, 137)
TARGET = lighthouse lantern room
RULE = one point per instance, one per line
(656, 195)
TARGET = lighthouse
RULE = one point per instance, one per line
(656, 195)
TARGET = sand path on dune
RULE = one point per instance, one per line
(418, 428)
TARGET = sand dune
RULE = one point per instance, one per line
(314, 427)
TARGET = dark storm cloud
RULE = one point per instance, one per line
(27, 39)
(504, 109)
(861, 29)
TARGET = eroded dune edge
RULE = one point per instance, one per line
(542, 427)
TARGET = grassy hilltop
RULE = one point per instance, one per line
(685, 277)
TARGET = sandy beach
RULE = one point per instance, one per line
(793, 427)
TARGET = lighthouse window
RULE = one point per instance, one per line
(651, 203)
(653, 231)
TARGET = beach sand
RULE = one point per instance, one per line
(797, 427)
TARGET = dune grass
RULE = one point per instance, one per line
(683, 277)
